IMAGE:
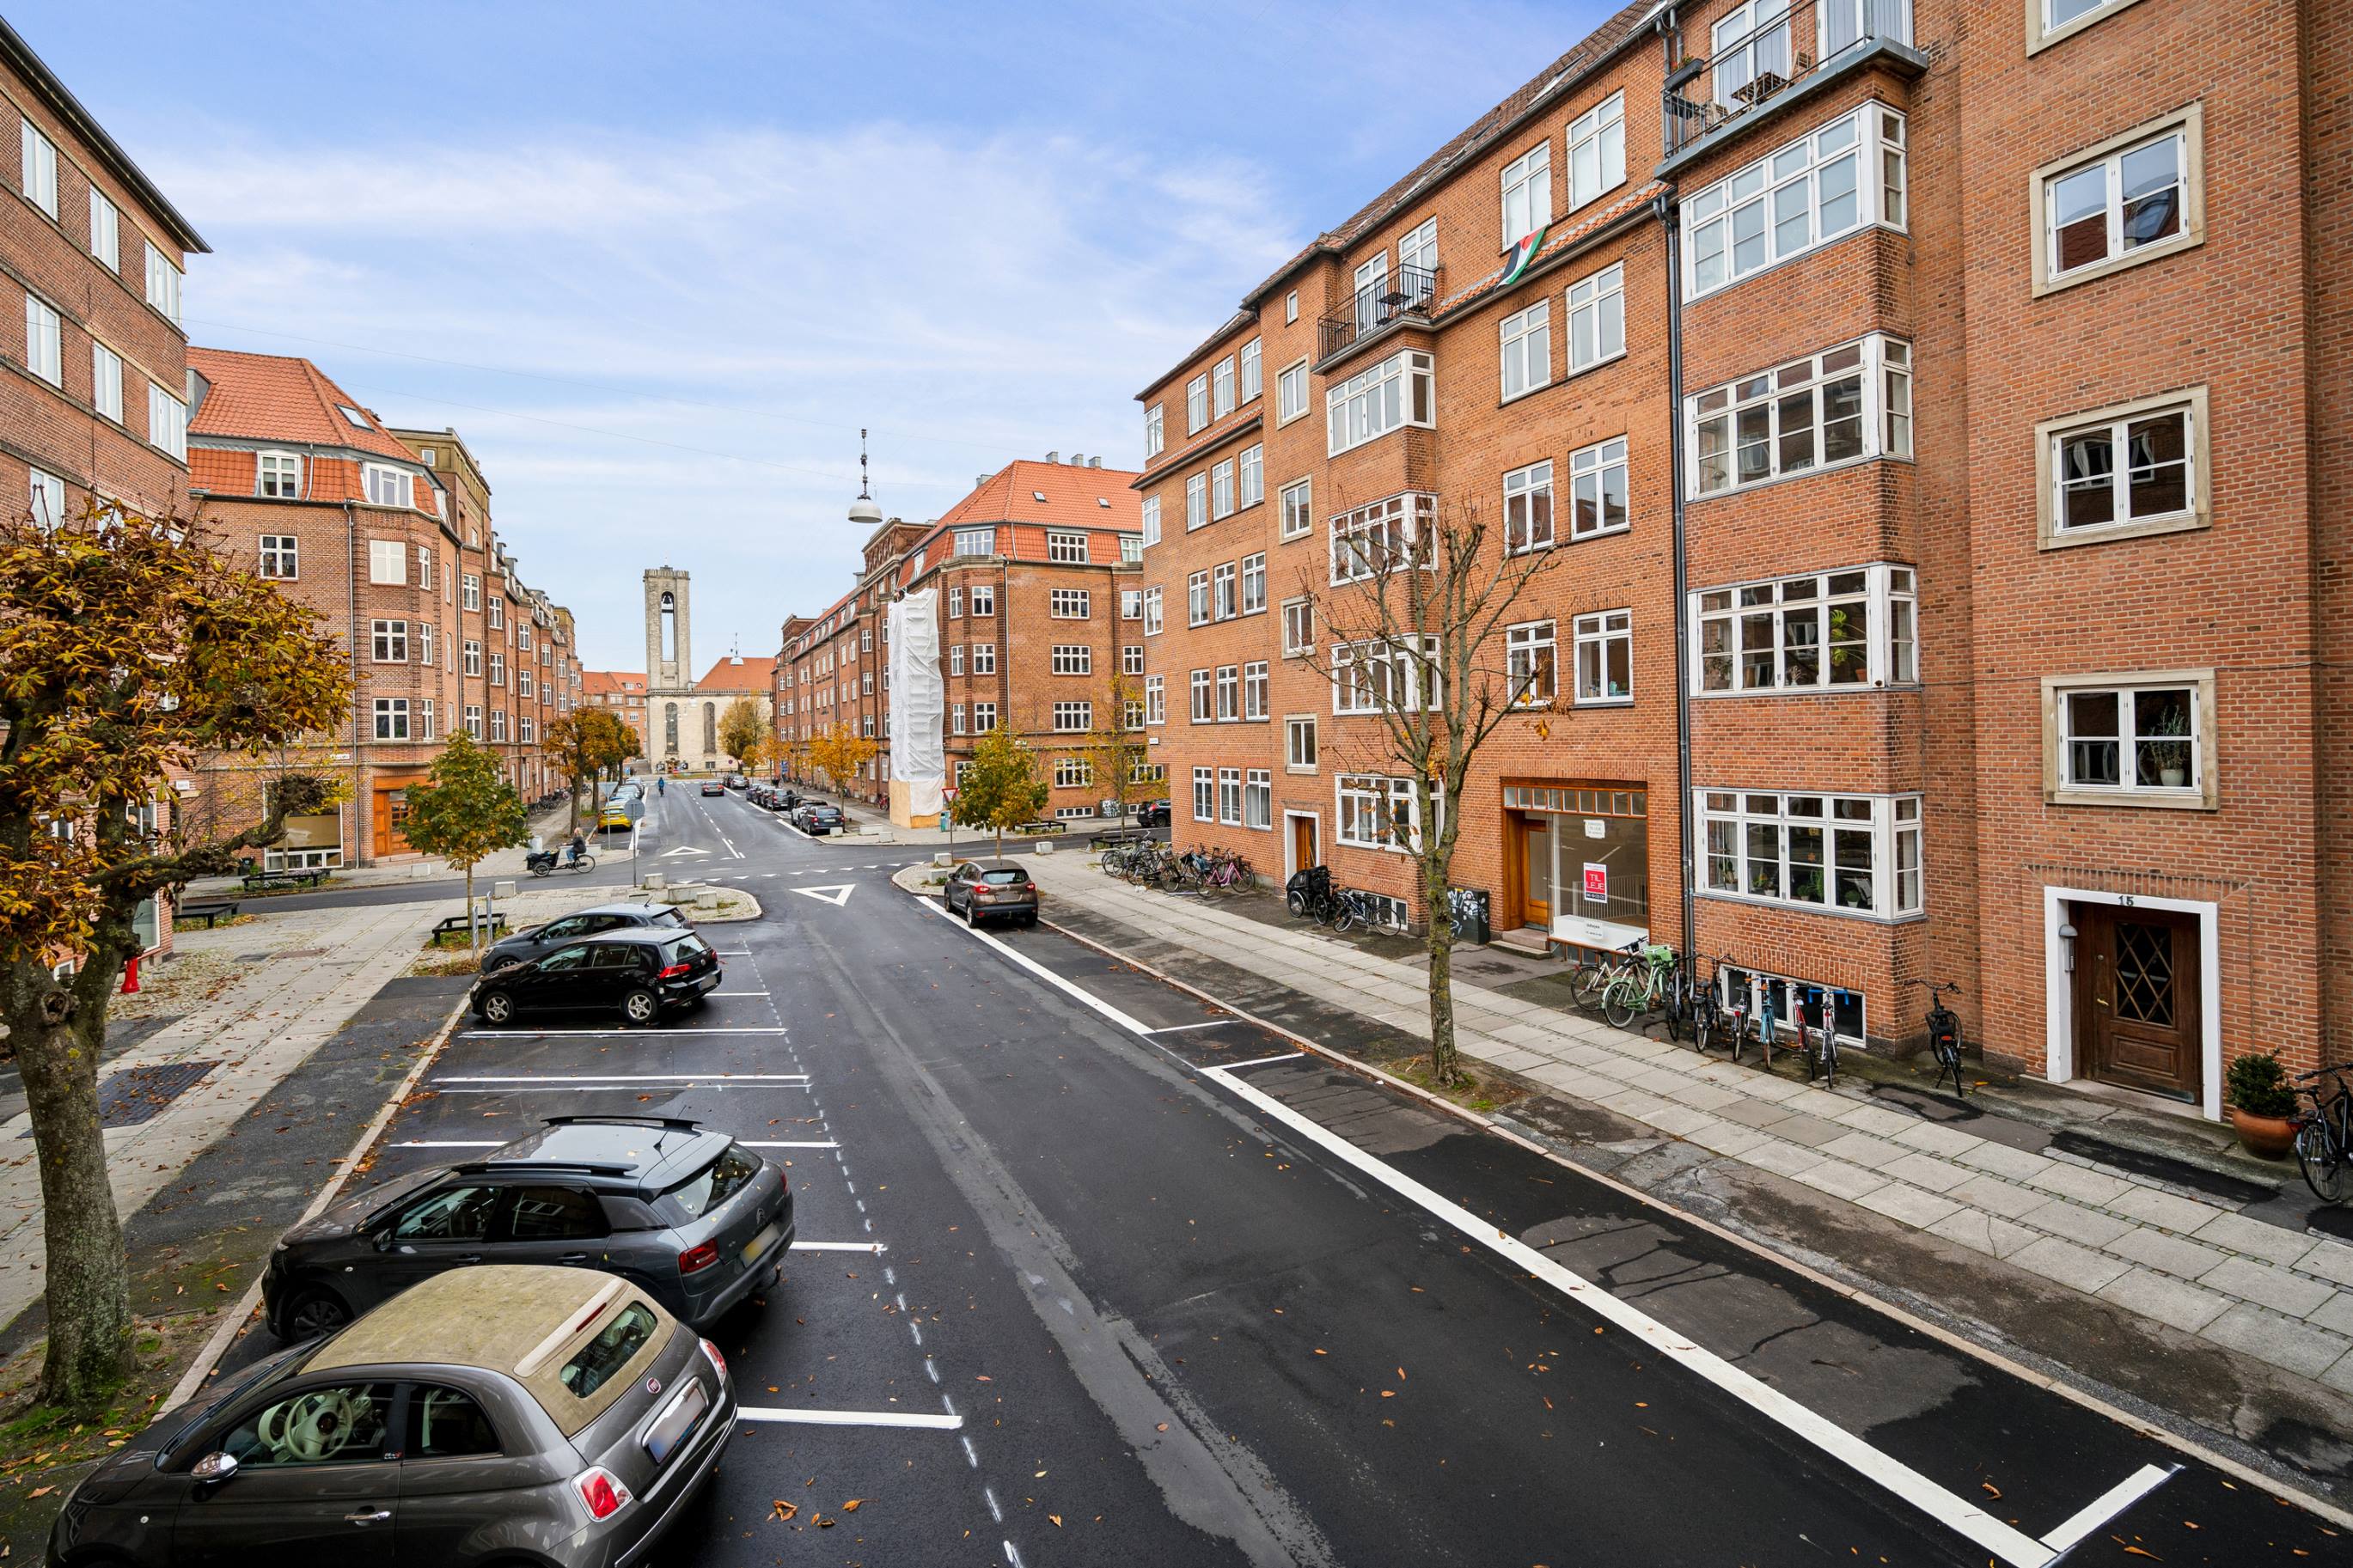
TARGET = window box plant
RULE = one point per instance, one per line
(2171, 755)
(2261, 1105)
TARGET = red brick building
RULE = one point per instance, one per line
(1922, 407)
(1040, 605)
(622, 692)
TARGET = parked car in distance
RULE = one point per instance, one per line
(817, 819)
(689, 1215)
(712, 786)
(1153, 813)
(492, 1415)
(640, 973)
(614, 819)
(992, 890)
(735, 781)
(534, 941)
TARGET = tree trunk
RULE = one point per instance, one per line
(87, 1283)
(1445, 1064)
(473, 928)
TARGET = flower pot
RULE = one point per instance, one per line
(2174, 777)
(2265, 1137)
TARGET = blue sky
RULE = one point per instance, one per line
(659, 264)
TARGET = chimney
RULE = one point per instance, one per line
(1053, 457)
(982, 480)
(1095, 462)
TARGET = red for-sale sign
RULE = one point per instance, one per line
(1597, 882)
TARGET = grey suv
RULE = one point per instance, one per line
(537, 941)
(554, 1416)
(690, 1216)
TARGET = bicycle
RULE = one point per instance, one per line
(1943, 1032)
(1707, 1013)
(1595, 973)
(1821, 1054)
(1637, 992)
(2324, 1134)
(1355, 909)
(1768, 1028)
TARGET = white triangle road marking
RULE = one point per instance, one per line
(683, 849)
(836, 897)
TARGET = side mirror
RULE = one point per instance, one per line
(383, 1240)
(214, 1468)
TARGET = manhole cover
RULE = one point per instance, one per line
(135, 1094)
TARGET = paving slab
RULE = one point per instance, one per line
(1929, 1138)
(1865, 1149)
(2170, 1211)
(1985, 1233)
(1997, 1197)
(1914, 1208)
(2078, 1268)
(2075, 1181)
(2236, 1233)
(2283, 1342)
(2184, 1260)
(1929, 1172)
(2175, 1302)
(2076, 1223)
(2291, 1294)
(1842, 1180)
(2330, 1260)
(2014, 1164)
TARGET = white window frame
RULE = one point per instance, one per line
(1254, 371)
(2061, 785)
(1253, 575)
(1155, 438)
(1394, 394)
(473, 660)
(1291, 384)
(388, 641)
(1532, 663)
(2186, 127)
(1224, 596)
(1197, 501)
(1883, 410)
(1066, 547)
(44, 340)
(1786, 182)
(1375, 677)
(984, 599)
(2053, 483)
(1735, 826)
(1298, 498)
(1598, 635)
(2042, 29)
(1590, 470)
(105, 230)
(1153, 618)
(1298, 628)
(1131, 658)
(278, 475)
(1254, 691)
(1151, 514)
(1230, 796)
(1257, 798)
(164, 282)
(1074, 717)
(1525, 338)
(1418, 247)
(1197, 403)
(1389, 534)
(1721, 615)
(1070, 604)
(106, 381)
(1199, 702)
(279, 557)
(1156, 699)
(1528, 178)
(1373, 811)
(46, 499)
(386, 486)
(955, 659)
(1221, 490)
(1196, 598)
(984, 659)
(1221, 388)
(983, 718)
(1249, 477)
(1528, 513)
(1205, 794)
(1595, 141)
(955, 604)
(1596, 319)
(39, 168)
(1074, 772)
(388, 562)
(1299, 753)
(971, 542)
(391, 719)
(1227, 685)
(1074, 659)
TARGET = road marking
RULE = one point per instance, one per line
(848, 1417)
(2109, 1504)
(1042, 972)
(1212, 1023)
(431, 1143)
(838, 1246)
(1260, 1062)
(1947, 1508)
(526, 1032)
(732, 952)
(637, 1077)
(682, 849)
(735, 994)
(836, 894)
(811, 1144)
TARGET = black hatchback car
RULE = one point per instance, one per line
(689, 1215)
(819, 819)
(536, 940)
(640, 974)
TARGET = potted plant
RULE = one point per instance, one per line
(2172, 756)
(2261, 1105)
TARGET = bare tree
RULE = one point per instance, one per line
(1410, 630)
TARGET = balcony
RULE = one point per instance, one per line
(1769, 50)
(1407, 292)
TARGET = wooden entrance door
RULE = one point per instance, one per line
(2136, 1001)
(1303, 852)
(1535, 869)
(391, 822)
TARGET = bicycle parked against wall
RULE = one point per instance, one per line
(1355, 910)
(1596, 971)
(1711, 1021)
(1643, 989)
(1943, 1032)
(2324, 1134)
(1821, 1048)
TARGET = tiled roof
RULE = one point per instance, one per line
(608, 682)
(1071, 497)
(274, 397)
(745, 673)
(1561, 238)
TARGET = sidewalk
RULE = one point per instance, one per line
(548, 825)
(1723, 1139)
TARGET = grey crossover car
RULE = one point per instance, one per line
(690, 1216)
(536, 940)
(991, 891)
(554, 1416)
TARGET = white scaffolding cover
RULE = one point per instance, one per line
(918, 748)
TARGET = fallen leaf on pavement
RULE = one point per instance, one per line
(1057, 1518)
(852, 1506)
(1162, 1427)
(785, 1510)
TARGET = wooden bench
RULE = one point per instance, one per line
(208, 913)
(256, 881)
(461, 925)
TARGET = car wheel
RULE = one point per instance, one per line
(640, 1007)
(1029, 921)
(314, 1312)
(497, 1008)
(970, 915)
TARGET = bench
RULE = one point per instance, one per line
(1119, 835)
(208, 913)
(461, 925)
(256, 881)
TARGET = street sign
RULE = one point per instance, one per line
(947, 792)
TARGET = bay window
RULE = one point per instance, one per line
(1845, 404)
(1387, 396)
(1854, 854)
(1387, 536)
(1827, 185)
(1851, 629)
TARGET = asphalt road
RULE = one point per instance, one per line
(1092, 1273)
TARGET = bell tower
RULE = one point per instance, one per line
(670, 659)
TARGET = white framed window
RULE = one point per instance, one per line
(1846, 405)
(1130, 549)
(1221, 490)
(1228, 685)
(983, 718)
(1299, 743)
(498, 723)
(2049, 21)
(976, 542)
(1131, 604)
(163, 284)
(1527, 194)
(1152, 613)
(956, 718)
(280, 557)
(44, 341)
(1150, 512)
(1074, 659)
(1605, 658)
(1597, 151)
(1073, 773)
(1527, 349)
(279, 475)
(167, 422)
(392, 718)
(1197, 403)
(1156, 699)
(955, 659)
(1597, 480)
(2138, 739)
(1197, 599)
(1230, 796)
(425, 578)
(1385, 536)
(472, 591)
(1851, 629)
(474, 719)
(1250, 476)
(1597, 318)
(428, 728)
(1827, 852)
(425, 642)
(391, 641)
(1291, 306)
(106, 381)
(1370, 278)
(1298, 510)
(1154, 437)
(1197, 501)
(1379, 678)
(388, 562)
(529, 728)
(498, 614)
(48, 498)
(1254, 583)
(386, 486)
(1221, 388)
(1821, 188)
(1252, 372)
(983, 598)
(1066, 604)
(1205, 794)
(1531, 654)
(1223, 593)
(1131, 658)
(1199, 710)
(1298, 628)
(1291, 392)
(1377, 813)
(105, 230)
(955, 604)
(1527, 508)
(984, 659)
(1073, 716)
(40, 169)
(1417, 247)
(1257, 798)
(498, 667)
(1069, 548)
(1388, 397)
(2130, 199)
(2132, 470)
(473, 657)
(1254, 690)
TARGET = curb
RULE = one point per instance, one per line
(1887, 1309)
(218, 1345)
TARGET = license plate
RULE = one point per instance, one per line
(759, 1246)
(708, 983)
(675, 1423)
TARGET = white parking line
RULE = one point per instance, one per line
(738, 994)
(633, 1077)
(838, 1246)
(519, 1034)
(1258, 1062)
(435, 1144)
(1947, 1508)
(848, 1417)
(1211, 1024)
(1042, 972)
(2109, 1504)
(809, 1144)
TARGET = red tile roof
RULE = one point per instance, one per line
(1072, 495)
(274, 398)
(604, 683)
(745, 674)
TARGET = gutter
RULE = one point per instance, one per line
(1688, 846)
(351, 636)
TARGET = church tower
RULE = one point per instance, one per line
(670, 663)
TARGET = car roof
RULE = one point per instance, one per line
(995, 865)
(639, 907)
(648, 1153)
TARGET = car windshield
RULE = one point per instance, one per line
(713, 1184)
(594, 1363)
(1004, 878)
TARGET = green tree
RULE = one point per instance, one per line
(839, 753)
(586, 744)
(129, 648)
(1001, 789)
(741, 731)
(466, 810)
(1118, 751)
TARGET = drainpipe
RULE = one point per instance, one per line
(352, 621)
(1665, 207)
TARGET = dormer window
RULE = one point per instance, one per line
(386, 487)
(280, 475)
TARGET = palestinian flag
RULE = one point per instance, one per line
(1521, 254)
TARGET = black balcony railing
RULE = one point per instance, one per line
(1769, 48)
(1407, 292)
